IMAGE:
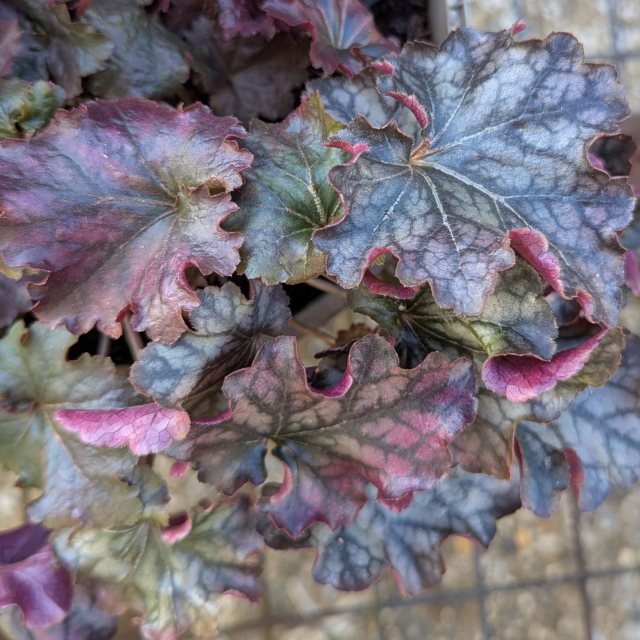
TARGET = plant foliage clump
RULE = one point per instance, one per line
(193, 174)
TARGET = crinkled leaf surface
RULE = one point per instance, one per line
(338, 29)
(505, 128)
(407, 542)
(487, 445)
(80, 482)
(113, 198)
(247, 77)
(244, 18)
(26, 107)
(382, 424)
(175, 584)
(228, 330)
(148, 61)
(344, 98)
(596, 441)
(515, 320)
(144, 428)
(287, 195)
(31, 578)
(54, 46)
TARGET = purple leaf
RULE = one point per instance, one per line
(342, 31)
(175, 584)
(139, 213)
(31, 578)
(598, 437)
(244, 18)
(503, 150)
(79, 482)
(228, 330)
(145, 428)
(408, 542)
(287, 195)
(247, 77)
(380, 423)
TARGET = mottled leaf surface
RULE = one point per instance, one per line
(227, 332)
(244, 18)
(247, 77)
(382, 424)
(342, 31)
(26, 107)
(287, 195)
(148, 60)
(53, 46)
(31, 578)
(113, 198)
(144, 428)
(515, 320)
(505, 126)
(80, 482)
(174, 584)
(599, 437)
(487, 445)
(346, 97)
(407, 542)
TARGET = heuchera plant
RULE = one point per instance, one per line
(194, 174)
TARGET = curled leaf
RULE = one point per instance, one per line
(342, 31)
(140, 211)
(30, 577)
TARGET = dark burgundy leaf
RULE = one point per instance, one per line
(382, 424)
(502, 158)
(114, 199)
(14, 299)
(342, 31)
(247, 77)
(9, 45)
(31, 578)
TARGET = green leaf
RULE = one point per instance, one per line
(26, 107)
(79, 482)
(174, 579)
(287, 195)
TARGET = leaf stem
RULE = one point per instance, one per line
(133, 340)
(104, 345)
(311, 331)
(327, 287)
